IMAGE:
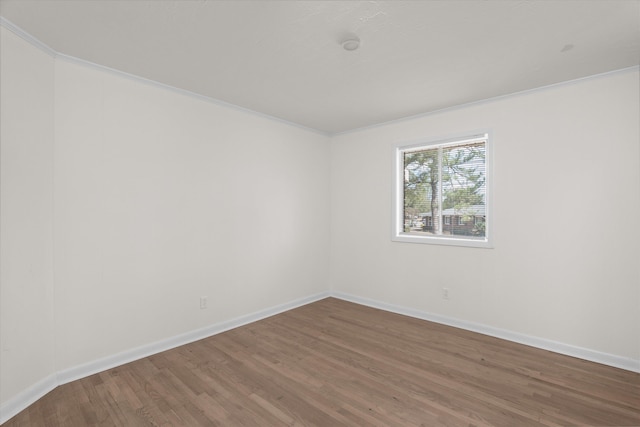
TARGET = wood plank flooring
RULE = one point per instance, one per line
(334, 363)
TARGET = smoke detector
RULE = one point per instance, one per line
(350, 43)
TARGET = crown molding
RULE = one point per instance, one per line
(27, 37)
(68, 58)
(102, 68)
(480, 102)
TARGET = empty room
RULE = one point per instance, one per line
(319, 213)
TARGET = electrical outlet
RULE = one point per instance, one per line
(445, 293)
(203, 303)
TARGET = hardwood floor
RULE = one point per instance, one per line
(334, 363)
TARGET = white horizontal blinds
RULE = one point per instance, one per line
(464, 189)
(422, 201)
(445, 189)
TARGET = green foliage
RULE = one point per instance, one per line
(415, 199)
(460, 198)
(421, 182)
(462, 176)
(479, 229)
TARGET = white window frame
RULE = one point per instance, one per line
(397, 217)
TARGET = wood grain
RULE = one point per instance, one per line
(335, 363)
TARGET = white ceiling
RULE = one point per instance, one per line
(284, 59)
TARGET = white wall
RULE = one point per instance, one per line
(26, 217)
(162, 198)
(567, 202)
(156, 199)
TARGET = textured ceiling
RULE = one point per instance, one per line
(284, 59)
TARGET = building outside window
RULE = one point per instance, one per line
(446, 184)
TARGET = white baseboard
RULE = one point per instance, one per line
(81, 371)
(21, 401)
(27, 397)
(545, 344)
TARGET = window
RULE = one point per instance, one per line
(437, 181)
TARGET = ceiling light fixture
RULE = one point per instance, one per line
(351, 43)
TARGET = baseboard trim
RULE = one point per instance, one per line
(545, 344)
(81, 371)
(27, 397)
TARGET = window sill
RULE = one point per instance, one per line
(442, 240)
